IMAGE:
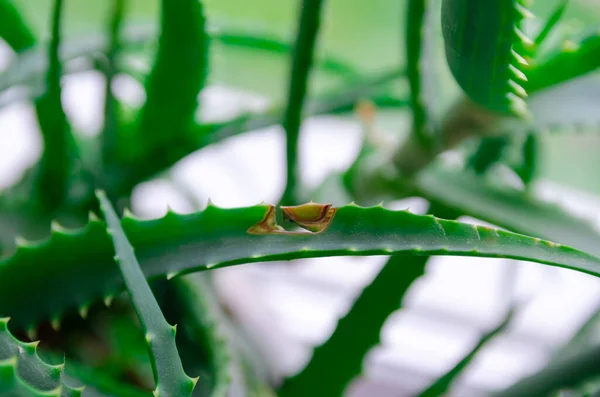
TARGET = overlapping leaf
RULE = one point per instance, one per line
(75, 267)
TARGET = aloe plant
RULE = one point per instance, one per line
(70, 246)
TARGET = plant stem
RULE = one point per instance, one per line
(302, 60)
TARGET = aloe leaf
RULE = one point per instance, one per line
(443, 384)
(13, 29)
(505, 207)
(177, 76)
(569, 371)
(572, 59)
(76, 267)
(488, 152)
(486, 49)
(528, 167)
(415, 27)
(301, 64)
(30, 372)
(551, 23)
(168, 371)
(13, 386)
(59, 145)
(356, 333)
(205, 324)
(111, 123)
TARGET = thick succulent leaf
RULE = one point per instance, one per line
(356, 333)
(572, 59)
(177, 76)
(441, 386)
(30, 372)
(13, 29)
(567, 372)
(551, 23)
(204, 322)
(109, 134)
(74, 267)
(506, 207)
(301, 64)
(160, 336)
(488, 152)
(486, 49)
(59, 145)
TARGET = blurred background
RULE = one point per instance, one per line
(289, 309)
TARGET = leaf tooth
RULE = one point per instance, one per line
(4, 323)
(108, 299)
(83, 310)
(174, 329)
(517, 73)
(526, 41)
(194, 381)
(519, 58)
(56, 227)
(30, 347)
(171, 275)
(517, 89)
(210, 265)
(517, 105)
(524, 11)
(93, 218)
(31, 332)
(569, 46)
(22, 242)
(55, 323)
(352, 204)
(128, 214)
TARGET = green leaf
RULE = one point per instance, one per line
(485, 49)
(505, 207)
(572, 59)
(415, 16)
(169, 375)
(301, 64)
(205, 324)
(488, 152)
(177, 76)
(569, 371)
(356, 333)
(109, 134)
(29, 373)
(528, 167)
(75, 267)
(551, 23)
(13, 28)
(59, 145)
(441, 386)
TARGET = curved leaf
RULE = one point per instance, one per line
(177, 76)
(485, 50)
(75, 267)
(169, 375)
(356, 333)
(442, 384)
(569, 371)
(301, 64)
(21, 366)
(572, 59)
(508, 208)
(59, 145)
(13, 29)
